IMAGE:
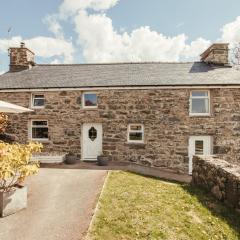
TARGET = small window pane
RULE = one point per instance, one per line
(200, 105)
(199, 147)
(200, 93)
(38, 133)
(39, 123)
(90, 99)
(38, 100)
(136, 127)
(135, 136)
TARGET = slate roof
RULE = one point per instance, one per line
(120, 74)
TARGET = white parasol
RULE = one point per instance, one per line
(6, 107)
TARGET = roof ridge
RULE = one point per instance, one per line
(115, 63)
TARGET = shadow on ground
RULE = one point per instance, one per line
(217, 208)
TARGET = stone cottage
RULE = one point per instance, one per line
(150, 113)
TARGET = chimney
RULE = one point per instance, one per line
(21, 58)
(217, 54)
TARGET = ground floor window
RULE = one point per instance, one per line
(39, 130)
(135, 133)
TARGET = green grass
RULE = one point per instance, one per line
(138, 207)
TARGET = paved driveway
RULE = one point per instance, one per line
(60, 206)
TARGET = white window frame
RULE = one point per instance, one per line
(83, 100)
(201, 97)
(134, 131)
(32, 100)
(31, 127)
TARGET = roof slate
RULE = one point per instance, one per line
(120, 75)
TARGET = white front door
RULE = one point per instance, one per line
(199, 145)
(91, 141)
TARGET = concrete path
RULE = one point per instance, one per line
(162, 173)
(60, 206)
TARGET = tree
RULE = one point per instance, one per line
(235, 56)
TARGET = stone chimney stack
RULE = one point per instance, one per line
(217, 54)
(21, 58)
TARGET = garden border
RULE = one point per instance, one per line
(94, 214)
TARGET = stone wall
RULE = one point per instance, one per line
(164, 113)
(20, 58)
(216, 54)
(219, 177)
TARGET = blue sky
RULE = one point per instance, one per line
(116, 30)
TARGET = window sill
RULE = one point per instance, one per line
(200, 115)
(136, 143)
(89, 108)
(37, 107)
(40, 140)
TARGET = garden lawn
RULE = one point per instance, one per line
(138, 207)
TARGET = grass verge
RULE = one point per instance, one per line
(138, 207)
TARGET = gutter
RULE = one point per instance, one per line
(131, 87)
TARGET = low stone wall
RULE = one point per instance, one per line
(219, 177)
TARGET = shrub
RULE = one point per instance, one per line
(16, 164)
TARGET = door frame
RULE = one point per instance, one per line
(82, 140)
(207, 148)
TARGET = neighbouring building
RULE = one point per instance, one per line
(150, 113)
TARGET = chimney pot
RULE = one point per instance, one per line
(22, 45)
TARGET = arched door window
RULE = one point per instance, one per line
(92, 133)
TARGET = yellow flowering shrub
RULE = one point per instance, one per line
(16, 164)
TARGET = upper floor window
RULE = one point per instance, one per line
(39, 130)
(89, 100)
(200, 103)
(135, 133)
(38, 100)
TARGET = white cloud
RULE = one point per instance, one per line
(54, 25)
(45, 47)
(70, 7)
(195, 48)
(6, 43)
(50, 47)
(102, 43)
(2, 72)
(231, 32)
(55, 61)
(57, 46)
